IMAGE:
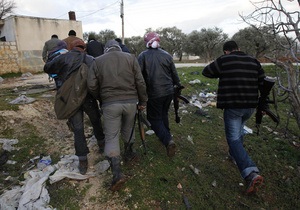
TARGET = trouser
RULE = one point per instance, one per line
(91, 108)
(234, 120)
(118, 118)
(158, 116)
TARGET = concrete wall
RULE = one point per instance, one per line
(30, 34)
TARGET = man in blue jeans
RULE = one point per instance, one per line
(240, 81)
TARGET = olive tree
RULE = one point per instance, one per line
(205, 43)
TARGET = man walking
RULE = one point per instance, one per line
(64, 65)
(116, 80)
(71, 37)
(240, 79)
(161, 77)
(93, 47)
(49, 46)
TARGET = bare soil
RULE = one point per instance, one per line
(40, 114)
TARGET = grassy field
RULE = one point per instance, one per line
(218, 185)
(159, 182)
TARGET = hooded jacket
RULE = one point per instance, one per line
(64, 64)
(159, 72)
(116, 77)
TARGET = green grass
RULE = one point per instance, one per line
(153, 181)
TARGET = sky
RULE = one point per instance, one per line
(139, 15)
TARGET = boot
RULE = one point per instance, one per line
(83, 165)
(118, 177)
(129, 154)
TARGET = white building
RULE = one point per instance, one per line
(23, 37)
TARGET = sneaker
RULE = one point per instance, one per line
(171, 149)
(254, 180)
(117, 183)
(83, 166)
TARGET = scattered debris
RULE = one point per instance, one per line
(195, 170)
(296, 144)
(33, 193)
(8, 144)
(207, 95)
(196, 81)
(190, 139)
(149, 132)
(102, 166)
(214, 183)
(247, 130)
(23, 99)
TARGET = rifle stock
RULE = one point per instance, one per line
(141, 121)
(177, 95)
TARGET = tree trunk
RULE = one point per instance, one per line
(294, 96)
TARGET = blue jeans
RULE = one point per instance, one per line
(157, 115)
(234, 120)
(91, 108)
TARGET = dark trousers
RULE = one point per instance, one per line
(91, 108)
(157, 115)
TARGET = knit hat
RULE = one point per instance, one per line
(78, 44)
(111, 44)
(230, 46)
(152, 40)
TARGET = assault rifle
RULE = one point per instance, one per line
(140, 116)
(263, 103)
(176, 97)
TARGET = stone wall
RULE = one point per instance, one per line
(9, 58)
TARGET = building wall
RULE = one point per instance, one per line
(30, 34)
(8, 58)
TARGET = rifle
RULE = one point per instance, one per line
(176, 97)
(141, 122)
(263, 104)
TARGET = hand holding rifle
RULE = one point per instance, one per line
(177, 96)
(141, 122)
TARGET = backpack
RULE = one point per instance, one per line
(70, 96)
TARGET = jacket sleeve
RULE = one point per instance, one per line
(212, 70)
(140, 83)
(93, 82)
(55, 65)
(175, 77)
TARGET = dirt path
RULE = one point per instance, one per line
(40, 114)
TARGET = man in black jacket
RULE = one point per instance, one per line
(94, 47)
(63, 65)
(160, 75)
(240, 79)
